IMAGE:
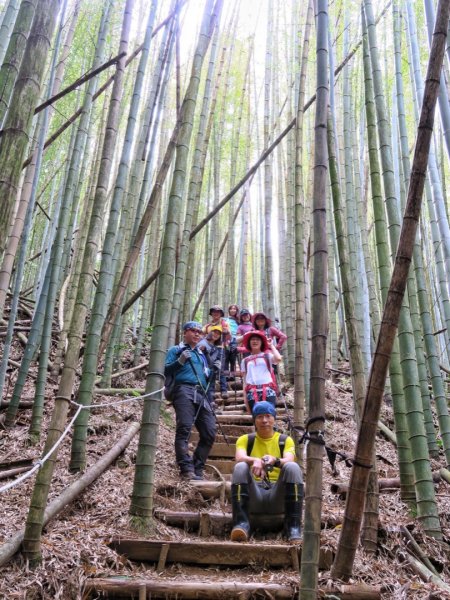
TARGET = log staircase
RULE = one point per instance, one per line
(275, 565)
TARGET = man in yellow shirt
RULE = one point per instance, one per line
(266, 479)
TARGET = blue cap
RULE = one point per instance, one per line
(191, 325)
(264, 408)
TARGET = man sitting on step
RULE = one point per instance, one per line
(266, 479)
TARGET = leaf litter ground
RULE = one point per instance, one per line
(74, 545)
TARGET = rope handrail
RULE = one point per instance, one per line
(40, 462)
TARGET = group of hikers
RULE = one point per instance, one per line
(266, 479)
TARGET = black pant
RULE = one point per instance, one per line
(230, 357)
(192, 408)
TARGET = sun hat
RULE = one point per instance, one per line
(255, 333)
(264, 408)
(215, 328)
(261, 314)
(217, 308)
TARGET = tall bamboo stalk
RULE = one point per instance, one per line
(313, 497)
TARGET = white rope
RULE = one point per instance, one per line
(39, 463)
(123, 401)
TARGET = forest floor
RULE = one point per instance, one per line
(74, 545)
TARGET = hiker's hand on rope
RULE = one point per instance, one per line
(184, 356)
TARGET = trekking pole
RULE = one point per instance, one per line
(205, 393)
(238, 363)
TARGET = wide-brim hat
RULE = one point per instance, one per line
(217, 308)
(261, 314)
(254, 333)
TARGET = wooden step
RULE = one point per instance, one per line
(215, 523)
(137, 588)
(224, 466)
(224, 554)
(222, 450)
(233, 429)
(235, 419)
(210, 523)
(219, 523)
(220, 439)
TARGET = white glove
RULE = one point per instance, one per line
(218, 364)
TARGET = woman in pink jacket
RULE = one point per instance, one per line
(263, 323)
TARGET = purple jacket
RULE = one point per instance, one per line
(243, 328)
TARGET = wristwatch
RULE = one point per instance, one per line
(277, 463)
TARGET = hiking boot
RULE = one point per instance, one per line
(190, 476)
(224, 394)
(293, 504)
(239, 506)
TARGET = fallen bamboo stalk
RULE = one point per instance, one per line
(411, 543)
(118, 391)
(12, 472)
(185, 589)
(341, 487)
(11, 546)
(445, 474)
(131, 370)
(422, 571)
(22, 404)
(387, 432)
(219, 590)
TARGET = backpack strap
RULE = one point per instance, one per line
(250, 442)
(282, 443)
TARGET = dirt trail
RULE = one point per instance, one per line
(75, 545)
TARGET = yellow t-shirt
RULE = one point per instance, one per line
(270, 446)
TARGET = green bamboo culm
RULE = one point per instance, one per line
(313, 497)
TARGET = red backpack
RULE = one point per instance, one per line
(269, 368)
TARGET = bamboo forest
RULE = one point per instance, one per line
(224, 299)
